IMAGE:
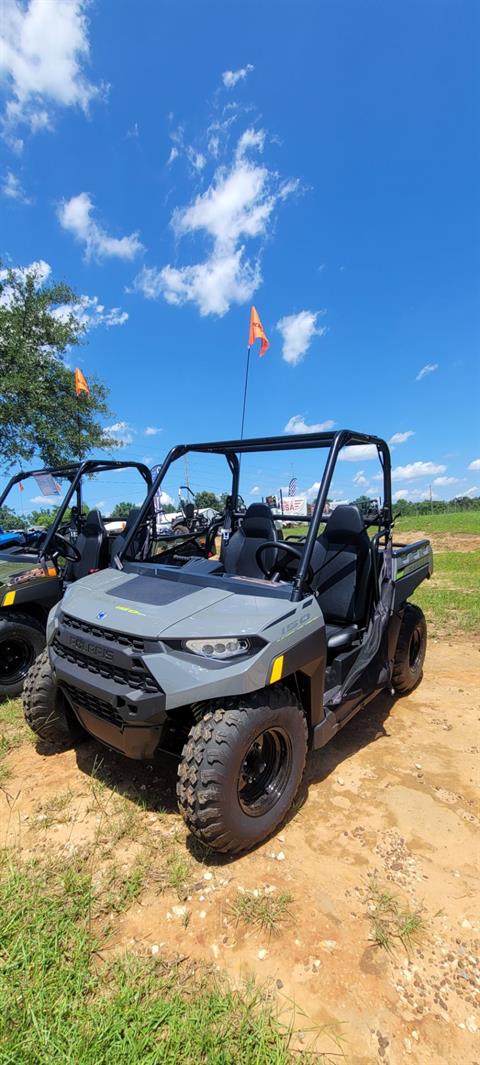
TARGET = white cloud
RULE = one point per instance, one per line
(46, 501)
(474, 465)
(298, 331)
(152, 431)
(251, 139)
(429, 368)
(236, 207)
(401, 493)
(231, 78)
(313, 491)
(358, 453)
(90, 313)
(173, 155)
(417, 469)
(444, 481)
(472, 491)
(297, 424)
(360, 478)
(120, 432)
(400, 438)
(255, 491)
(75, 215)
(44, 49)
(13, 190)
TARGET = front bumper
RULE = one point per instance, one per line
(109, 688)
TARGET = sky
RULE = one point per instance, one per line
(176, 162)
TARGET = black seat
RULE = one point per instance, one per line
(119, 540)
(239, 554)
(342, 564)
(92, 545)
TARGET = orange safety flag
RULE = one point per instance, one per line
(257, 332)
(80, 383)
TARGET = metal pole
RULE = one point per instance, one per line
(245, 391)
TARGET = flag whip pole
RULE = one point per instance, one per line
(245, 391)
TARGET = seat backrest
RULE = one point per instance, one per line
(118, 541)
(342, 564)
(239, 554)
(92, 545)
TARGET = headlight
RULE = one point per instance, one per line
(218, 648)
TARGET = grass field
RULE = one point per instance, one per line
(467, 521)
(451, 599)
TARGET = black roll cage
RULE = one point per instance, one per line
(335, 441)
(74, 472)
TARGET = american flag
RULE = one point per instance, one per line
(292, 487)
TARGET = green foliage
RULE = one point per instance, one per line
(10, 520)
(39, 411)
(121, 511)
(436, 506)
(208, 499)
(454, 521)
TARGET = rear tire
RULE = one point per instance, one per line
(22, 638)
(241, 768)
(411, 649)
(45, 708)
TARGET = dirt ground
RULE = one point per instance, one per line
(441, 541)
(392, 795)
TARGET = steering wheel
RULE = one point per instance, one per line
(280, 566)
(66, 548)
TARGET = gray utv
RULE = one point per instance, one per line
(238, 657)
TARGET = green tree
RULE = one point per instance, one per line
(10, 520)
(39, 411)
(121, 511)
(207, 499)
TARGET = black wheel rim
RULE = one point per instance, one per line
(414, 649)
(264, 772)
(16, 657)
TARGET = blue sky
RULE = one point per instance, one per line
(176, 162)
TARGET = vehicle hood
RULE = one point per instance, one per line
(153, 607)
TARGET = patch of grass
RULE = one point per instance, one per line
(451, 599)
(59, 1004)
(121, 888)
(13, 732)
(54, 811)
(390, 921)
(463, 521)
(263, 911)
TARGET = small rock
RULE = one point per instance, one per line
(471, 1024)
(155, 949)
(279, 984)
(408, 1045)
(215, 950)
(340, 781)
(316, 965)
(280, 856)
(466, 924)
(281, 839)
(179, 911)
(328, 944)
(262, 954)
(418, 765)
(414, 1034)
(202, 915)
(169, 916)
(208, 876)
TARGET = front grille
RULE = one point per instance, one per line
(84, 701)
(135, 642)
(138, 677)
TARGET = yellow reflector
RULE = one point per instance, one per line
(277, 669)
(9, 599)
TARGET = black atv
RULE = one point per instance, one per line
(36, 565)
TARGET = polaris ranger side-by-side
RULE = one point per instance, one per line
(37, 565)
(241, 661)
